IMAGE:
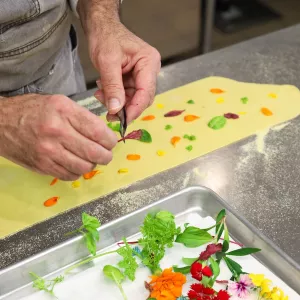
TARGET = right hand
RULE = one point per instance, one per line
(52, 135)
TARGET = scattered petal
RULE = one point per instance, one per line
(231, 116)
(54, 181)
(175, 140)
(168, 127)
(160, 105)
(189, 148)
(217, 122)
(189, 137)
(141, 135)
(242, 113)
(51, 201)
(148, 118)
(160, 152)
(272, 95)
(122, 171)
(76, 184)
(220, 100)
(190, 118)
(191, 102)
(266, 112)
(133, 157)
(216, 91)
(174, 113)
(91, 174)
(244, 100)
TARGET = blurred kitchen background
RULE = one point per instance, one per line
(180, 29)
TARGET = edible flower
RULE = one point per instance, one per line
(167, 286)
(240, 289)
(276, 294)
(198, 271)
(261, 282)
(199, 292)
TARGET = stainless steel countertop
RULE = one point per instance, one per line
(260, 183)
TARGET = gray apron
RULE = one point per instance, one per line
(38, 48)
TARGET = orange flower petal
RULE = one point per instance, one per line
(51, 201)
(148, 118)
(190, 118)
(266, 112)
(216, 91)
(175, 140)
(54, 181)
(133, 157)
(91, 174)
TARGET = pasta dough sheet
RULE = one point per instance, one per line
(22, 192)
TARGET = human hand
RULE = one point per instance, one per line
(52, 135)
(128, 70)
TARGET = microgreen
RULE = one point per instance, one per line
(168, 127)
(114, 126)
(89, 230)
(47, 286)
(158, 232)
(189, 137)
(244, 100)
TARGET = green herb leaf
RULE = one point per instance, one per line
(90, 221)
(220, 232)
(215, 267)
(217, 122)
(90, 243)
(113, 273)
(220, 216)
(189, 137)
(193, 237)
(146, 137)
(42, 284)
(243, 251)
(205, 281)
(191, 102)
(244, 100)
(189, 261)
(220, 255)
(158, 233)
(233, 266)
(182, 270)
(114, 126)
(128, 263)
(168, 127)
(165, 216)
(189, 148)
(225, 246)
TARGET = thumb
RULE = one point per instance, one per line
(112, 85)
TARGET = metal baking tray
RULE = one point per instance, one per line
(15, 281)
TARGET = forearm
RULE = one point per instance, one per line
(97, 16)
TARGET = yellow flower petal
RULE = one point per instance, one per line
(121, 171)
(242, 113)
(160, 105)
(257, 279)
(272, 95)
(76, 184)
(160, 152)
(220, 100)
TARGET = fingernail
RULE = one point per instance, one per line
(114, 103)
(97, 93)
(98, 82)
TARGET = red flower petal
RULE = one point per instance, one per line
(210, 250)
(193, 295)
(197, 287)
(206, 271)
(208, 291)
(231, 116)
(196, 271)
(222, 295)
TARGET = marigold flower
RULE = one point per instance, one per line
(198, 271)
(167, 286)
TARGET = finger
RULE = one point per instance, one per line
(99, 95)
(92, 127)
(90, 152)
(112, 83)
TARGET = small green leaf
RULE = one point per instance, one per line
(215, 267)
(168, 127)
(183, 270)
(93, 232)
(165, 216)
(233, 266)
(193, 237)
(205, 281)
(220, 232)
(191, 102)
(90, 243)
(220, 216)
(90, 221)
(114, 126)
(244, 100)
(220, 255)
(243, 251)
(189, 261)
(113, 273)
(217, 122)
(189, 137)
(226, 240)
(189, 148)
(146, 137)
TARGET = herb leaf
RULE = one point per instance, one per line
(215, 267)
(225, 246)
(233, 266)
(189, 261)
(158, 232)
(193, 237)
(114, 127)
(128, 263)
(243, 251)
(182, 270)
(42, 284)
(217, 122)
(220, 216)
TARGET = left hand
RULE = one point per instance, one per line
(128, 68)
